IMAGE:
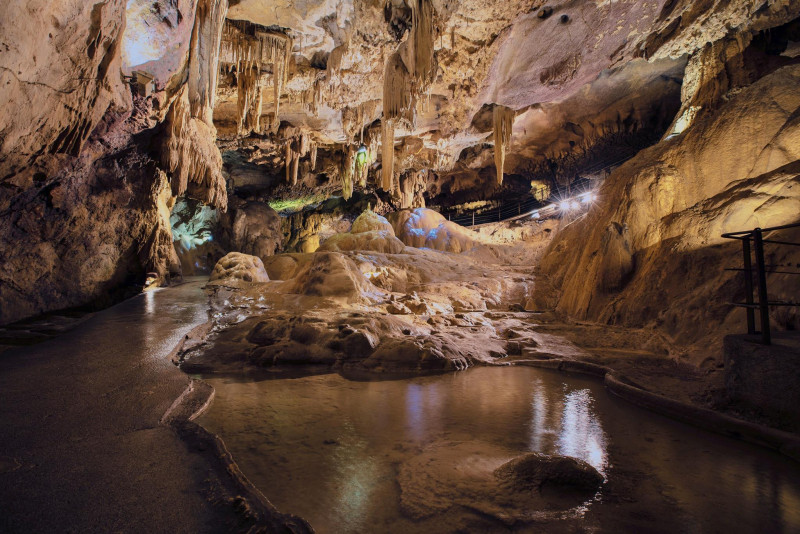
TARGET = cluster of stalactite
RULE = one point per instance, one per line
(354, 119)
(503, 120)
(246, 48)
(189, 152)
(408, 74)
(249, 100)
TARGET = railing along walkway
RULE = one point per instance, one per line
(760, 270)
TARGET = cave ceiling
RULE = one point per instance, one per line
(579, 75)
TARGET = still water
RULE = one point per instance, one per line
(406, 455)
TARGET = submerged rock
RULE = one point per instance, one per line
(537, 471)
(479, 476)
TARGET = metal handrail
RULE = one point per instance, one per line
(502, 212)
(761, 270)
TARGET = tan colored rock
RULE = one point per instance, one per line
(732, 170)
(423, 227)
(235, 266)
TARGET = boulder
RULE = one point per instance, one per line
(536, 471)
(238, 266)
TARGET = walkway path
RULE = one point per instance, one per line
(81, 447)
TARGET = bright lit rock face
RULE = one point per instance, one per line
(650, 253)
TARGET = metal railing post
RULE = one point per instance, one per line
(748, 286)
(473, 218)
(763, 303)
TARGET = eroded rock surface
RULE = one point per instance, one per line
(416, 311)
(235, 266)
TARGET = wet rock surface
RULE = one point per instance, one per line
(530, 487)
(368, 311)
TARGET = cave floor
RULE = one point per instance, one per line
(643, 356)
(83, 449)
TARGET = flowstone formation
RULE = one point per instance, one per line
(365, 302)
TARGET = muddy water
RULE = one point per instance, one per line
(406, 455)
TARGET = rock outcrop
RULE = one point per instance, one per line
(235, 266)
(651, 252)
(370, 231)
(423, 227)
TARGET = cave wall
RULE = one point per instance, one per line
(59, 74)
(84, 196)
(650, 253)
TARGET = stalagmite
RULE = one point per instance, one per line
(387, 154)
(503, 119)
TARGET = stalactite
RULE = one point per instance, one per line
(295, 167)
(313, 156)
(423, 39)
(335, 62)
(397, 88)
(288, 159)
(362, 173)
(246, 47)
(249, 100)
(411, 188)
(402, 83)
(191, 156)
(387, 154)
(189, 151)
(297, 147)
(503, 119)
(204, 57)
(347, 172)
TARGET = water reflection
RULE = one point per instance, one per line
(581, 435)
(330, 450)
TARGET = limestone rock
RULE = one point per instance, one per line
(235, 266)
(330, 274)
(370, 231)
(377, 241)
(370, 221)
(256, 230)
(423, 227)
(732, 170)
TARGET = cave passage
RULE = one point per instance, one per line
(399, 266)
